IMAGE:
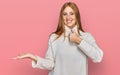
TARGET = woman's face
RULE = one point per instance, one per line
(69, 17)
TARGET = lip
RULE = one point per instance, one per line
(69, 21)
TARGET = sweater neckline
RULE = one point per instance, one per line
(69, 30)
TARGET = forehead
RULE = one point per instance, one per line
(68, 9)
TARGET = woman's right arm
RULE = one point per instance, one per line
(48, 62)
(38, 62)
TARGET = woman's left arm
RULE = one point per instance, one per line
(90, 48)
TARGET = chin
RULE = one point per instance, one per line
(70, 25)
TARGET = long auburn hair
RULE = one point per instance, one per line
(61, 29)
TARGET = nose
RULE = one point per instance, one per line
(68, 16)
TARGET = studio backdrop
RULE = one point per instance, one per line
(25, 26)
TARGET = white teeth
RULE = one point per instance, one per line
(69, 21)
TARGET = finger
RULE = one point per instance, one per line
(76, 34)
(20, 56)
(72, 31)
(16, 57)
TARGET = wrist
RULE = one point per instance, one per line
(33, 57)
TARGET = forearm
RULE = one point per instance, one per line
(43, 63)
(91, 50)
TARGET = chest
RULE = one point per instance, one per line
(64, 49)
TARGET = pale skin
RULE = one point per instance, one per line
(69, 20)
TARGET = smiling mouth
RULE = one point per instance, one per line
(69, 21)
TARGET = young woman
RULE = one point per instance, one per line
(69, 46)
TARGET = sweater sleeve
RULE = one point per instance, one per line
(90, 48)
(48, 61)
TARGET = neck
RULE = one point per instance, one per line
(71, 27)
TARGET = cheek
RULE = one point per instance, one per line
(73, 17)
(64, 18)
